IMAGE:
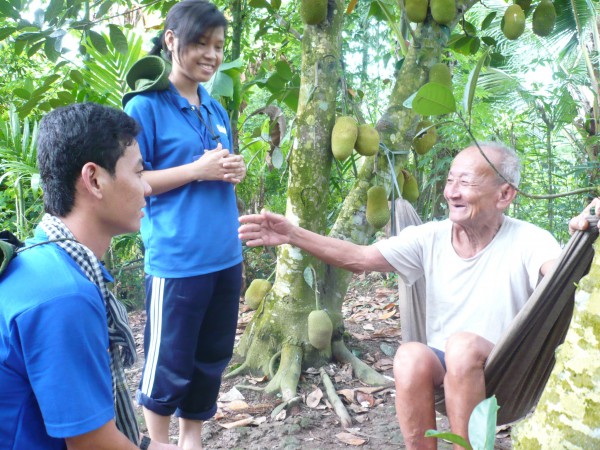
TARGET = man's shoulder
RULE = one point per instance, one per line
(41, 274)
(518, 225)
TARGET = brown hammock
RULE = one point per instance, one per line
(520, 363)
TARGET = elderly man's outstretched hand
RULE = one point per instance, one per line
(265, 228)
(580, 222)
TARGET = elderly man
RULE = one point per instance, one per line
(480, 268)
(63, 335)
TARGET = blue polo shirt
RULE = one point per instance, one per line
(54, 361)
(191, 230)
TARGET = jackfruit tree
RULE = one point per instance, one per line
(279, 330)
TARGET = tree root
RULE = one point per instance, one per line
(249, 387)
(274, 358)
(288, 374)
(235, 372)
(335, 401)
(361, 370)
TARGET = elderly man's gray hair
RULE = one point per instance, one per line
(510, 165)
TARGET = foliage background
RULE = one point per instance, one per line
(539, 95)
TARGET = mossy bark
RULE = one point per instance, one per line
(568, 413)
(280, 323)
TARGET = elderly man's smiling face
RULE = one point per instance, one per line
(473, 189)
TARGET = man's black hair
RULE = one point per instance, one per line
(72, 136)
(190, 20)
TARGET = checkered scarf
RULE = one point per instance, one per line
(121, 343)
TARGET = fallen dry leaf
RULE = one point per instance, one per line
(314, 398)
(350, 439)
(387, 332)
(371, 390)
(236, 405)
(387, 315)
(239, 423)
(231, 395)
(365, 399)
(348, 394)
(384, 364)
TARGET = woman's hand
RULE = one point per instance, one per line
(219, 164)
(236, 169)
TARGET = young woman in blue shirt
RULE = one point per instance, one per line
(192, 253)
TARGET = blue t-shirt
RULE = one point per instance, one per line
(54, 361)
(191, 230)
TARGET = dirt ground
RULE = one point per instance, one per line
(247, 419)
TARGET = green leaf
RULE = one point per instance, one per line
(34, 48)
(50, 49)
(103, 9)
(482, 424)
(308, 275)
(469, 28)
(51, 79)
(118, 39)
(275, 83)
(290, 98)
(487, 40)
(377, 12)
(221, 86)
(54, 9)
(19, 46)
(454, 438)
(6, 10)
(98, 42)
(77, 77)
(433, 99)
(66, 97)
(235, 64)
(472, 84)
(6, 32)
(283, 70)
(22, 93)
(488, 20)
(259, 4)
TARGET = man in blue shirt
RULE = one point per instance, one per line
(63, 336)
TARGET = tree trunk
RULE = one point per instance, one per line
(280, 323)
(568, 413)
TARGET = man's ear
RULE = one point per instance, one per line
(92, 179)
(507, 195)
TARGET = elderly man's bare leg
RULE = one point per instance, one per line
(464, 384)
(417, 372)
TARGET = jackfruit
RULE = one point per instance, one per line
(378, 211)
(423, 142)
(440, 73)
(410, 191)
(443, 11)
(416, 10)
(256, 292)
(367, 141)
(524, 4)
(514, 22)
(343, 137)
(313, 12)
(320, 329)
(544, 17)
